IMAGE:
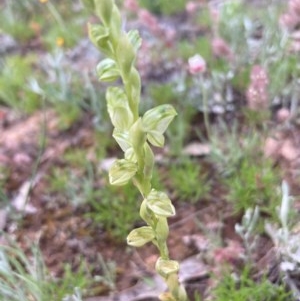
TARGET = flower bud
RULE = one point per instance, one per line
(191, 7)
(131, 5)
(196, 64)
(283, 115)
(121, 172)
(107, 70)
(160, 204)
(135, 39)
(99, 35)
(140, 236)
(221, 49)
(166, 267)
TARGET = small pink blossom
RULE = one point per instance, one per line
(259, 76)
(257, 98)
(289, 20)
(257, 92)
(131, 5)
(191, 7)
(214, 15)
(221, 49)
(147, 19)
(294, 7)
(196, 64)
(230, 254)
(21, 158)
(169, 35)
(272, 147)
(283, 115)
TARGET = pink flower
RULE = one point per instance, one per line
(231, 253)
(131, 5)
(191, 7)
(289, 20)
(259, 76)
(214, 15)
(169, 35)
(196, 64)
(221, 49)
(257, 92)
(147, 19)
(283, 115)
(294, 7)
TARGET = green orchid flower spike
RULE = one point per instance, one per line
(134, 134)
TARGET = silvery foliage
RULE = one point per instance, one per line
(287, 242)
(246, 228)
(75, 297)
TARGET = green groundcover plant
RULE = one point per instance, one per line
(135, 134)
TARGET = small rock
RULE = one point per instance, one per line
(272, 147)
(289, 151)
(7, 43)
(197, 149)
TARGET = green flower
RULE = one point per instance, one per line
(160, 204)
(166, 267)
(140, 236)
(121, 172)
(107, 70)
(156, 121)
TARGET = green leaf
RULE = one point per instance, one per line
(104, 10)
(122, 171)
(107, 70)
(115, 25)
(137, 136)
(149, 162)
(166, 267)
(89, 4)
(134, 81)
(125, 55)
(118, 108)
(99, 35)
(160, 204)
(140, 236)
(162, 229)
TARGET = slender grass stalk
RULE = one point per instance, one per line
(134, 134)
